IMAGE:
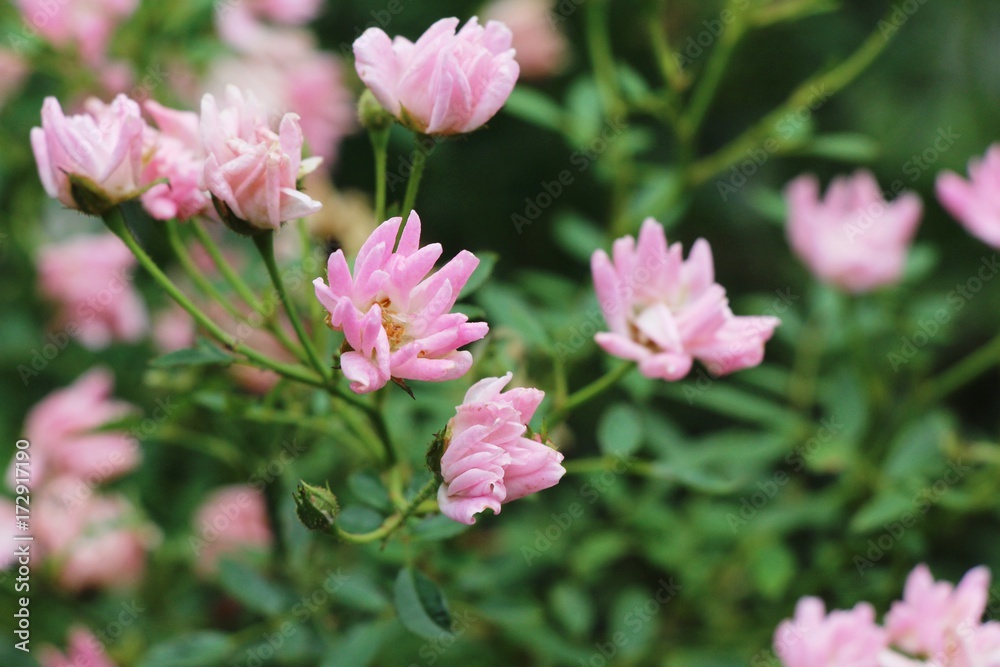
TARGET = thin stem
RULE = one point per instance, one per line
(413, 185)
(192, 272)
(815, 88)
(231, 277)
(116, 223)
(672, 72)
(708, 82)
(392, 523)
(265, 244)
(966, 370)
(591, 391)
(380, 145)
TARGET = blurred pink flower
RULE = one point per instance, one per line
(173, 153)
(251, 170)
(233, 519)
(14, 70)
(84, 650)
(487, 460)
(89, 278)
(287, 73)
(8, 515)
(397, 321)
(840, 639)
(852, 238)
(62, 430)
(975, 202)
(288, 12)
(445, 83)
(92, 540)
(84, 24)
(664, 312)
(541, 48)
(933, 615)
(104, 145)
(173, 329)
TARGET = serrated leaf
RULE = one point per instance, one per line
(620, 431)
(201, 649)
(421, 605)
(203, 353)
(254, 591)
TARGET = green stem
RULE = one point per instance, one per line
(116, 223)
(194, 275)
(413, 185)
(225, 269)
(966, 370)
(708, 82)
(674, 76)
(380, 145)
(265, 244)
(828, 84)
(591, 391)
(392, 523)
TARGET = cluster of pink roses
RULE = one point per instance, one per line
(93, 539)
(231, 157)
(856, 240)
(934, 625)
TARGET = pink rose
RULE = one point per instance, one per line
(251, 171)
(540, 46)
(93, 540)
(487, 461)
(89, 278)
(174, 153)
(64, 436)
(852, 238)
(84, 650)
(231, 520)
(840, 639)
(103, 146)
(664, 312)
(445, 83)
(975, 202)
(398, 321)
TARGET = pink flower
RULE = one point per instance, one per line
(853, 238)
(173, 329)
(286, 72)
(976, 202)
(230, 521)
(487, 460)
(103, 146)
(397, 321)
(174, 154)
(289, 12)
(445, 83)
(931, 614)
(251, 171)
(89, 278)
(541, 47)
(8, 515)
(13, 71)
(85, 650)
(840, 639)
(93, 540)
(84, 24)
(62, 430)
(664, 312)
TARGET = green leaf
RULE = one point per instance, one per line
(773, 568)
(250, 588)
(487, 262)
(203, 353)
(438, 527)
(887, 507)
(842, 147)
(368, 488)
(533, 107)
(421, 605)
(577, 236)
(358, 519)
(201, 649)
(360, 646)
(620, 432)
(573, 608)
(506, 308)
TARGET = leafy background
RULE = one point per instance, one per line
(741, 495)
